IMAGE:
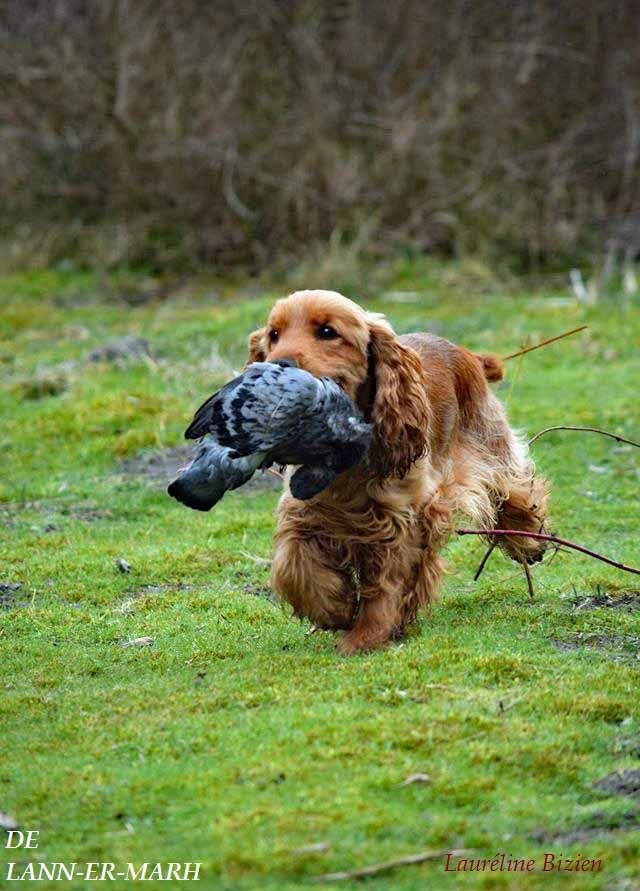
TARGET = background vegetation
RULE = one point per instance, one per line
(167, 134)
(233, 738)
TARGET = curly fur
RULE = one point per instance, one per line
(364, 555)
(400, 409)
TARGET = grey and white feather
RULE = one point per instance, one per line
(278, 414)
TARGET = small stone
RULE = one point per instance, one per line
(139, 642)
(7, 823)
(416, 778)
(315, 848)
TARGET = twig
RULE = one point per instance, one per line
(376, 868)
(584, 430)
(543, 536)
(484, 560)
(527, 573)
(557, 550)
(502, 708)
(543, 343)
(264, 561)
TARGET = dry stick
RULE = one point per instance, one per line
(483, 563)
(546, 342)
(527, 573)
(584, 430)
(255, 558)
(543, 536)
(375, 868)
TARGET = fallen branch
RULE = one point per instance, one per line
(584, 430)
(543, 536)
(376, 868)
(543, 343)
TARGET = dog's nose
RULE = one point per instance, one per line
(286, 363)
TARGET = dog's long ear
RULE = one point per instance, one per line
(257, 351)
(400, 410)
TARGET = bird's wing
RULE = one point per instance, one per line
(215, 412)
(286, 415)
(261, 409)
(277, 408)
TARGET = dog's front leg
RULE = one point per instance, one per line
(302, 574)
(398, 576)
(377, 622)
(387, 573)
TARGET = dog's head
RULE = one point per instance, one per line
(329, 335)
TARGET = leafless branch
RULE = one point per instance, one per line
(527, 573)
(543, 536)
(585, 430)
(376, 868)
(484, 560)
(536, 346)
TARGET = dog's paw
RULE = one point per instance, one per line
(353, 642)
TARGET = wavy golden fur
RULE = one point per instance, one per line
(363, 556)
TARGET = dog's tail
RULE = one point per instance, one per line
(492, 366)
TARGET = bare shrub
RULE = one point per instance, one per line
(231, 132)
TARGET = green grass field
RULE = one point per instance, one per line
(236, 739)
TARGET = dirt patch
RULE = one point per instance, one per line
(8, 594)
(129, 602)
(259, 591)
(595, 641)
(620, 782)
(627, 601)
(629, 745)
(121, 350)
(163, 466)
(599, 824)
(46, 381)
(155, 590)
(87, 513)
(616, 646)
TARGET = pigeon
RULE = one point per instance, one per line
(273, 413)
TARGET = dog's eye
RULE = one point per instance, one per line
(326, 332)
(273, 335)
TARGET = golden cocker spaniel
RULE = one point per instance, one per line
(363, 556)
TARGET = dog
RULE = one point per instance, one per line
(363, 556)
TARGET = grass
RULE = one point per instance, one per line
(236, 739)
